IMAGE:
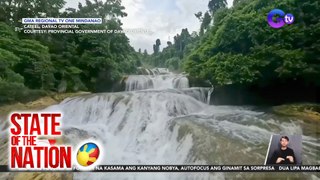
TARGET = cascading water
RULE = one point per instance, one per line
(209, 95)
(160, 79)
(168, 123)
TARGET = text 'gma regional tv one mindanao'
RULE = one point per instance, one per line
(157, 90)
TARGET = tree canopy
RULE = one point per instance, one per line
(68, 62)
(236, 47)
(242, 48)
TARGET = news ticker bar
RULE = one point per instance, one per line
(189, 168)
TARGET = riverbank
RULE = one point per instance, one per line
(275, 95)
(40, 103)
(306, 111)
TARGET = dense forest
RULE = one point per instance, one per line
(33, 64)
(239, 53)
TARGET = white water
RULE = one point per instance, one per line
(165, 127)
(162, 125)
(209, 95)
(160, 79)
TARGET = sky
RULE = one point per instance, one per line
(149, 20)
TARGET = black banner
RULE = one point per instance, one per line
(191, 168)
(204, 168)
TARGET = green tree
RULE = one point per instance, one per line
(199, 16)
(12, 11)
(103, 58)
(73, 61)
(205, 22)
(156, 47)
(214, 5)
(145, 52)
(13, 53)
(172, 55)
(241, 48)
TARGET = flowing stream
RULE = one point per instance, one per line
(159, 120)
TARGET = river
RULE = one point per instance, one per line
(160, 120)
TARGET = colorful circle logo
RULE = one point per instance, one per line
(88, 154)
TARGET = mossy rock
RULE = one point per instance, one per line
(42, 176)
(306, 111)
(38, 104)
(61, 96)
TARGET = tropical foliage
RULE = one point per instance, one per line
(237, 46)
(68, 62)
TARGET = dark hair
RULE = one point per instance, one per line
(284, 137)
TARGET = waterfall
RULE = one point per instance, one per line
(139, 82)
(160, 120)
(161, 78)
(209, 95)
(172, 127)
(201, 94)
